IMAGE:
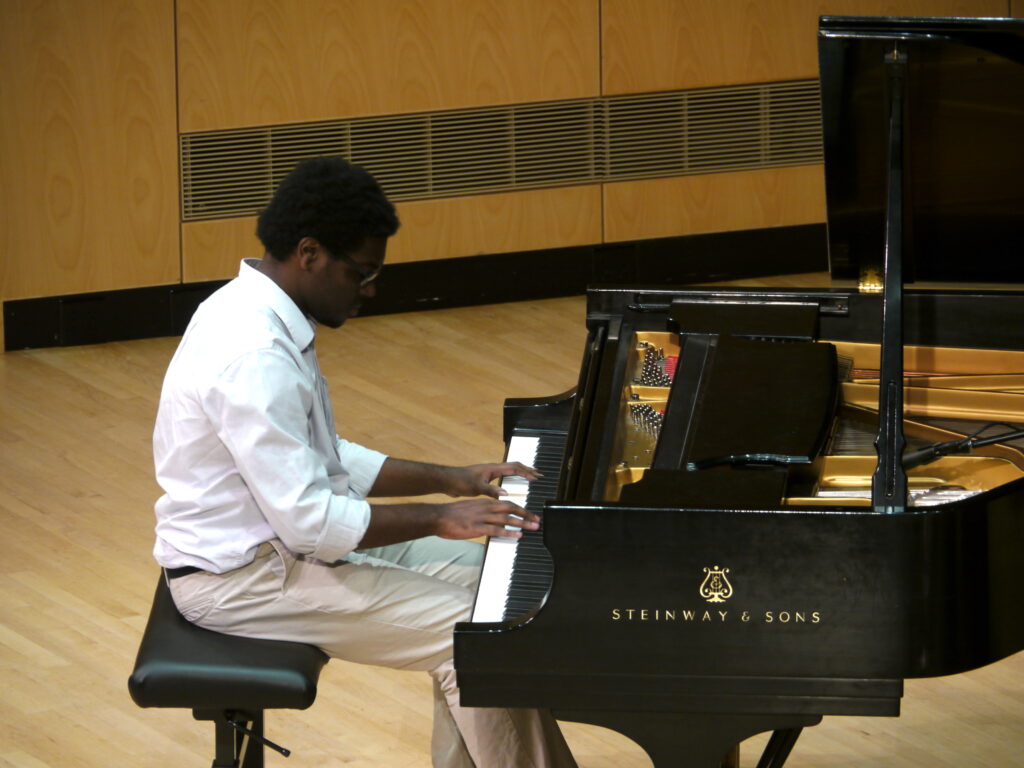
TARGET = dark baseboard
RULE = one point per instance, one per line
(94, 318)
(138, 313)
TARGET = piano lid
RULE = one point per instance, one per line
(964, 146)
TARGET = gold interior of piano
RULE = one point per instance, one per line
(941, 383)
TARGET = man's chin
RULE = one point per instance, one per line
(337, 322)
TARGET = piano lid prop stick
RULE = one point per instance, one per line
(889, 482)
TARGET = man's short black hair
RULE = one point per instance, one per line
(328, 198)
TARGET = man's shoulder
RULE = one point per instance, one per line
(233, 324)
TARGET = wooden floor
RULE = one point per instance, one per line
(76, 576)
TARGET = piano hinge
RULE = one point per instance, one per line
(834, 305)
(642, 307)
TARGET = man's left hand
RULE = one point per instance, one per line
(477, 479)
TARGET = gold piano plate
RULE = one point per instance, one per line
(947, 360)
(952, 403)
(846, 480)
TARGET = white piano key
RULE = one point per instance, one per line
(501, 551)
(515, 487)
(522, 449)
(494, 579)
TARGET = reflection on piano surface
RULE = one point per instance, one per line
(713, 560)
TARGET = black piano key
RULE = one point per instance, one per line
(532, 568)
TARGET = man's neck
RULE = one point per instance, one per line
(283, 277)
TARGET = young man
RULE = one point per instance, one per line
(263, 528)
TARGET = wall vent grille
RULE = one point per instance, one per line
(496, 149)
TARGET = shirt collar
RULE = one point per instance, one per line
(300, 327)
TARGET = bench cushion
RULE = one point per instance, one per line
(182, 665)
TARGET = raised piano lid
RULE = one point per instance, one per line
(964, 164)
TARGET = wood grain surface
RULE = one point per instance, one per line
(276, 61)
(655, 45)
(445, 228)
(88, 167)
(714, 202)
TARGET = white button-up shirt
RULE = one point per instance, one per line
(245, 443)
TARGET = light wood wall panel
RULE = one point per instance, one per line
(501, 223)
(211, 250)
(718, 202)
(259, 62)
(88, 172)
(654, 45)
(431, 229)
(1017, 8)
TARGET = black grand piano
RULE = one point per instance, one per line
(763, 507)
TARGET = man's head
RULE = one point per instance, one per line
(325, 233)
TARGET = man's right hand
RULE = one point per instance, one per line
(484, 516)
(462, 519)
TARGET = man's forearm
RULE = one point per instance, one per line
(401, 477)
(392, 523)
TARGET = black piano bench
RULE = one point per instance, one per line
(229, 680)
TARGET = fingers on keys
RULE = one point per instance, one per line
(513, 523)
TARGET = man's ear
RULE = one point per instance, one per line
(308, 251)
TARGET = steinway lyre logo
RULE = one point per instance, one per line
(716, 587)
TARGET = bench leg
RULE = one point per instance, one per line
(233, 748)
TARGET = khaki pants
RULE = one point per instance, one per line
(395, 607)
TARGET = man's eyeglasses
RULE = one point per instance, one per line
(367, 272)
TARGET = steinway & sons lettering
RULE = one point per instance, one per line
(714, 616)
(716, 588)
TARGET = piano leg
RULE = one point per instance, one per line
(697, 740)
(778, 748)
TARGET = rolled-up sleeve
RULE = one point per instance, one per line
(362, 464)
(259, 406)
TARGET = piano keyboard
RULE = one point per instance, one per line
(516, 573)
